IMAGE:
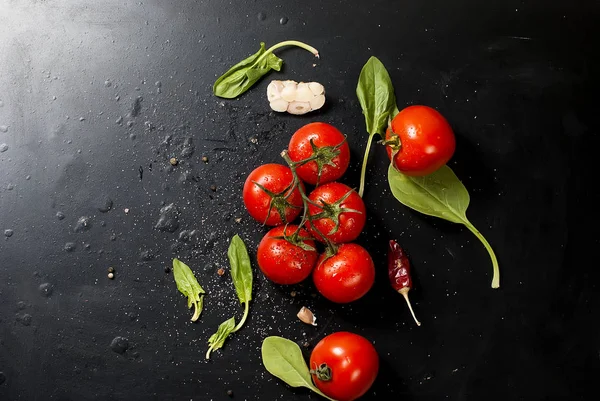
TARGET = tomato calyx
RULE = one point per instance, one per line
(322, 372)
(296, 239)
(333, 211)
(322, 156)
(279, 201)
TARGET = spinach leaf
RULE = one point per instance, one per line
(440, 194)
(244, 74)
(376, 96)
(241, 270)
(188, 286)
(239, 78)
(217, 340)
(283, 359)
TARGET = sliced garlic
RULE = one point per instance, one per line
(306, 316)
(295, 98)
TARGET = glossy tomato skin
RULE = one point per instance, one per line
(322, 135)
(345, 276)
(283, 262)
(351, 222)
(427, 140)
(275, 178)
(353, 361)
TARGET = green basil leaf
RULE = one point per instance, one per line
(188, 286)
(239, 78)
(439, 194)
(283, 359)
(217, 340)
(376, 96)
(241, 270)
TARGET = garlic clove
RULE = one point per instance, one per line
(303, 93)
(317, 102)
(306, 316)
(274, 90)
(316, 88)
(288, 93)
(299, 108)
(279, 105)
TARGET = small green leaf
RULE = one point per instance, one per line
(188, 286)
(376, 96)
(217, 340)
(241, 269)
(440, 194)
(239, 78)
(283, 359)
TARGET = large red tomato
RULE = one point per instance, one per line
(268, 195)
(346, 276)
(341, 212)
(344, 365)
(329, 147)
(426, 141)
(283, 262)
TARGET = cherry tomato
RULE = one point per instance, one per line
(344, 365)
(426, 140)
(275, 199)
(345, 276)
(283, 262)
(332, 153)
(341, 207)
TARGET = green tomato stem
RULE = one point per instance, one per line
(241, 323)
(304, 46)
(486, 244)
(363, 170)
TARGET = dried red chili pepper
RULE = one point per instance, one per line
(399, 273)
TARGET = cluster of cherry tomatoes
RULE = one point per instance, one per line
(332, 213)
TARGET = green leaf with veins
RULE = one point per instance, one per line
(217, 340)
(188, 286)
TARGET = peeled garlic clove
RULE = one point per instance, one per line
(299, 108)
(303, 93)
(288, 93)
(279, 105)
(316, 88)
(317, 102)
(274, 90)
(306, 316)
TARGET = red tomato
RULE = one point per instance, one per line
(333, 154)
(340, 206)
(345, 276)
(426, 140)
(283, 262)
(269, 203)
(344, 365)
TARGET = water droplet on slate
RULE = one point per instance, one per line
(28, 178)
(24, 319)
(3, 147)
(10, 186)
(137, 106)
(261, 16)
(60, 215)
(104, 204)
(8, 232)
(107, 83)
(169, 219)
(46, 289)
(158, 84)
(147, 255)
(283, 20)
(119, 120)
(119, 345)
(70, 246)
(21, 305)
(83, 224)
(129, 124)
(1, 103)
(3, 128)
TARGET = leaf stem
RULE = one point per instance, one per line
(304, 46)
(196, 312)
(486, 244)
(241, 323)
(363, 170)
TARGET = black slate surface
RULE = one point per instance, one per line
(95, 97)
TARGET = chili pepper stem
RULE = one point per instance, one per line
(404, 293)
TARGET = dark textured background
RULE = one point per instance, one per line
(517, 81)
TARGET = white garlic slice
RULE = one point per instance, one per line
(295, 98)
